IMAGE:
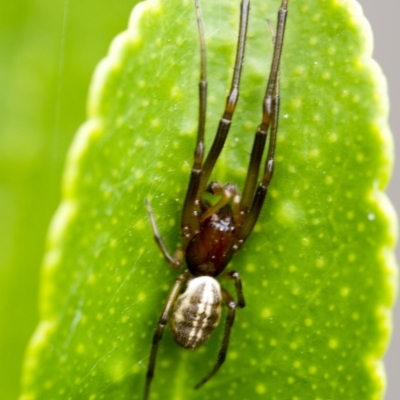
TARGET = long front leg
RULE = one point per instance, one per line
(189, 219)
(269, 119)
(231, 101)
(251, 204)
(162, 322)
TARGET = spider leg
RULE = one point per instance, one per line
(231, 100)
(176, 260)
(189, 219)
(230, 318)
(235, 276)
(251, 203)
(162, 322)
(227, 192)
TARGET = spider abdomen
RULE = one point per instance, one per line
(196, 313)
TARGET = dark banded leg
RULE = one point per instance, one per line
(230, 318)
(252, 200)
(189, 219)
(235, 276)
(177, 259)
(162, 322)
(231, 101)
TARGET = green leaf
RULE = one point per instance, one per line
(318, 271)
(47, 54)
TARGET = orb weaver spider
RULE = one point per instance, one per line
(212, 233)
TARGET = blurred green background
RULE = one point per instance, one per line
(48, 51)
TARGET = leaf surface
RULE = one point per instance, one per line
(318, 270)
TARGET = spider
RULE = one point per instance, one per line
(212, 233)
